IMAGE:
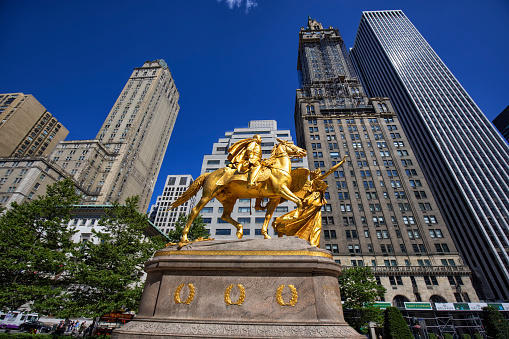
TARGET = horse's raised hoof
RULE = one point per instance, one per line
(240, 232)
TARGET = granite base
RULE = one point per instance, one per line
(256, 288)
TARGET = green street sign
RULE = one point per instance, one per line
(418, 306)
(383, 305)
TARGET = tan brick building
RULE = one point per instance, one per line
(26, 127)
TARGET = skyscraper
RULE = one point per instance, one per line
(125, 158)
(464, 159)
(501, 122)
(26, 127)
(160, 215)
(380, 210)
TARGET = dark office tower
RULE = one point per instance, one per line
(380, 210)
(464, 159)
(501, 122)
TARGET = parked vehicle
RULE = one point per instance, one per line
(32, 326)
(13, 319)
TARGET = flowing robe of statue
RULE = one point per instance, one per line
(308, 224)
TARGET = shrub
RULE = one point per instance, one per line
(448, 336)
(395, 327)
(478, 336)
(432, 336)
(466, 336)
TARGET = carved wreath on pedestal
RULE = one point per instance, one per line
(190, 297)
(279, 296)
(242, 295)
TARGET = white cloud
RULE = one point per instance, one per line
(238, 3)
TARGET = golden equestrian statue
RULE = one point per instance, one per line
(250, 176)
(230, 183)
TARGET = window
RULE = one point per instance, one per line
(282, 209)
(223, 231)
(207, 209)
(245, 220)
(244, 209)
(343, 195)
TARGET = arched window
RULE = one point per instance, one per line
(437, 299)
(399, 301)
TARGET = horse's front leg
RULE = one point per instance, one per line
(285, 192)
(271, 207)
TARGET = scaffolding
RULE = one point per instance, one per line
(441, 322)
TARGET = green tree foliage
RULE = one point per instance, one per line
(478, 336)
(466, 336)
(432, 336)
(448, 336)
(495, 324)
(395, 327)
(107, 272)
(35, 247)
(359, 291)
(196, 231)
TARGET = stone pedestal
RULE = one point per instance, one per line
(278, 288)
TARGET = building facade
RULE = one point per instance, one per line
(86, 218)
(243, 211)
(26, 127)
(23, 179)
(501, 122)
(464, 159)
(125, 158)
(159, 215)
(381, 211)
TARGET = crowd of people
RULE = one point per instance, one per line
(75, 328)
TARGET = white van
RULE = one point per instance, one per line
(12, 319)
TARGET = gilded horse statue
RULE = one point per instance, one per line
(227, 185)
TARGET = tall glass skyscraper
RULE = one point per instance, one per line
(464, 158)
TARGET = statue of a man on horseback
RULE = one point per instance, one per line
(246, 155)
(239, 180)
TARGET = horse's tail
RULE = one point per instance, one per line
(190, 192)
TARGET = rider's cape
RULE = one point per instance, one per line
(238, 150)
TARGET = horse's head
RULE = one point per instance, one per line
(289, 148)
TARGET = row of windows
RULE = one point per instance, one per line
(282, 209)
(394, 262)
(388, 248)
(247, 231)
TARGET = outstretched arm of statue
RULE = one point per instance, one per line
(333, 168)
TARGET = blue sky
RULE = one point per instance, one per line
(230, 64)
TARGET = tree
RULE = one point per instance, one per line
(359, 291)
(35, 247)
(395, 327)
(107, 272)
(196, 231)
(495, 324)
